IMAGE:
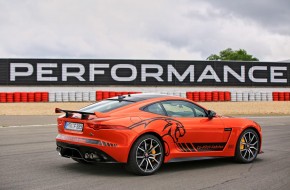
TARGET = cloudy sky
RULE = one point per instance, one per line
(151, 29)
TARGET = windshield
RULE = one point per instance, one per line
(105, 106)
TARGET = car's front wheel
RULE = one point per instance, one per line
(146, 155)
(247, 147)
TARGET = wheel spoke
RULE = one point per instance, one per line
(145, 145)
(250, 151)
(140, 156)
(245, 138)
(253, 148)
(154, 159)
(254, 143)
(141, 149)
(252, 138)
(141, 162)
(249, 155)
(150, 164)
(245, 153)
(146, 166)
(155, 154)
(154, 147)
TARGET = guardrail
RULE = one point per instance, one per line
(91, 96)
(24, 97)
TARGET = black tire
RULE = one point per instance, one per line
(146, 155)
(81, 161)
(247, 147)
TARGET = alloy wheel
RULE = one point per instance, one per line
(249, 146)
(149, 155)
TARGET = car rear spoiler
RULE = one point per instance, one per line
(83, 114)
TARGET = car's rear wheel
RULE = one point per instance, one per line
(146, 155)
(247, 147)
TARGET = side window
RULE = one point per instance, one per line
(183, 109)
(199, 111)
(155, 108)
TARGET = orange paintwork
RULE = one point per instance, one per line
(199, 130)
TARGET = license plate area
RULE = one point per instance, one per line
(74, 126)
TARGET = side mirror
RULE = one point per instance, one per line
(211, 114)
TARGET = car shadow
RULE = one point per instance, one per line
(102, 169)
(119, 170)
(200, 164)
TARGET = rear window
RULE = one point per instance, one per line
(105, 106)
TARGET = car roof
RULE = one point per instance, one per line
(140, 100)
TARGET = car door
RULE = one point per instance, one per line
(201, 133)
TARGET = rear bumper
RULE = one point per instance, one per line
(76, 146)
(83, 152)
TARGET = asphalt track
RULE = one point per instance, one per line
(28, 160)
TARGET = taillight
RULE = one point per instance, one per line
(101, 126)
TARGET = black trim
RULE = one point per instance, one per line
(228, 129)
(185, 147)
(180, 147)
(77, 151)
(189, 145)
(164, 110)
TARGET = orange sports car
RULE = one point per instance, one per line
(146, 130)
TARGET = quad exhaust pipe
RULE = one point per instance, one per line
(91, 156)
(58, 149)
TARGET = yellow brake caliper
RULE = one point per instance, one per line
(153, 151)
(242, 146)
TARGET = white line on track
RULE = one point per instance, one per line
(15, 126)
(265, 117)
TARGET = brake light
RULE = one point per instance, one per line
(101, 126)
